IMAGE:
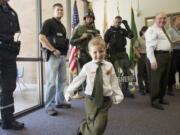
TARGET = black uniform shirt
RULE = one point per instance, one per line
(116, 38)
(54, 29)
(9, 23)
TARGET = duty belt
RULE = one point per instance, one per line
(105, 98)
(162, 52)
(13, 47)
(6, 42)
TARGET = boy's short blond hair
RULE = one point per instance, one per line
(97, 41)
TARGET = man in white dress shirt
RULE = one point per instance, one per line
(158, 53)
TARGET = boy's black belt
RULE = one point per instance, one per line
(162, 52)
(104, 97)
(142, 53)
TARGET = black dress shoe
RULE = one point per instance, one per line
(79, 132)
(52, 112)
(64, 105)
(147, 91)
(157, 106)
(170, 93)
(129, 95)
(142, 93)
(164, 102)
(15, 125)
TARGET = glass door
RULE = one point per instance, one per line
(29, 90)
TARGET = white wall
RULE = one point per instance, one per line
(147, 8)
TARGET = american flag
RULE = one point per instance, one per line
(75, 21)
(73, 64)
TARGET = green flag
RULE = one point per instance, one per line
(133, 40)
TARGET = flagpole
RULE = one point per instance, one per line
(85, 6)
(68, 11)
(72, 49)
(105, 16)
(118, 7)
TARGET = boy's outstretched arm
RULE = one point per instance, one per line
(74, 85)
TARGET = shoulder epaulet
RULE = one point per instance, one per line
(150, 31)
(81, 26)
(77, 26)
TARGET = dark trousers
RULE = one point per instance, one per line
(142, 73)
(121, 61)
(158, 78)
(8, 72)
(174, 67)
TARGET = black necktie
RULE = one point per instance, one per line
(98, 86)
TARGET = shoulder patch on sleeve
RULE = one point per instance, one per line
(109, 71)
(151, 31)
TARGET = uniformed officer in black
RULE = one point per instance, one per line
(115, 38)
(8, 52)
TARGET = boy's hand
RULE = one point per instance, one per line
(67, 97)
(117, 99)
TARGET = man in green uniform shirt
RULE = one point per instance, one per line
(82, 35)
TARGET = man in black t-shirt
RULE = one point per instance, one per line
(53, 40)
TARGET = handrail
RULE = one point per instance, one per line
(28, 59)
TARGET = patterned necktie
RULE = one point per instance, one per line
(98, 86)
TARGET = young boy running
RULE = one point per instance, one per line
(101, 90)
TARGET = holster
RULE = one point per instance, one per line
(13, 47)
(46, 54)
(59, 42)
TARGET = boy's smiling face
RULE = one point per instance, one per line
(97, 53)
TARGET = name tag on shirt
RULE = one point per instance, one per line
(59, 34)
